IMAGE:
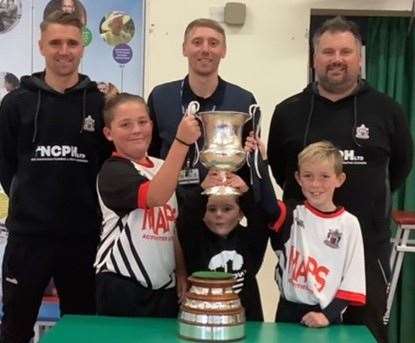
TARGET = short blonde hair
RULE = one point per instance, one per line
(205, 22)
(322, 151)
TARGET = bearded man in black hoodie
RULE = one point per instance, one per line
(51, 149)
(372, 133)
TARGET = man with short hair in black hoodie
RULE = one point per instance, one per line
(51, 149)
(371, 131)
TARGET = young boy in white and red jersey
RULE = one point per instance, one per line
(319, 245)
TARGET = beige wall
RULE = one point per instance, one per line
(268, 56)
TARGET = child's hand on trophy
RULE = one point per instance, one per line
(252, 143)
(189, 130)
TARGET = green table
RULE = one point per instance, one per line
(96, 329)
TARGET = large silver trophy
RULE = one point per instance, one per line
(222, 148)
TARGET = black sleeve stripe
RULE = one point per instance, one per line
(138, 259)
(106, 252)
(125, 261)
(167, 284)
(118, 225)
(114, 263)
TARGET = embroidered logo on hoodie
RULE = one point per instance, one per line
(89, 124)
(58, 153)
(362, 132)
(350, 157)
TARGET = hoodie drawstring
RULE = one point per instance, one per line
(355, 121)
(83, 110)
(308, 124)
(310, 115)
(39, 99)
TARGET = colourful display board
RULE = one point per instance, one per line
(113, 38)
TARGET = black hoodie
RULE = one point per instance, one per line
(51, 149)
(371, 131)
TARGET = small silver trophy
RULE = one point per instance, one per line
(222, 148)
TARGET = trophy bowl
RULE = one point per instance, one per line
(222, 149)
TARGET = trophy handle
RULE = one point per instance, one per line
(193, 108)
(252, 110)
(256, 127)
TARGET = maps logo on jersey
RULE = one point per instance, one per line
(333, 239)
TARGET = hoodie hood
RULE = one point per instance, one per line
(312, 91)
(36, 82)
(362, 87)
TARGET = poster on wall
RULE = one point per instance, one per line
(113, 37)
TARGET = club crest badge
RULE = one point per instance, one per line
(333, 239)
(362, 132)
(89, 124)
(299, 222)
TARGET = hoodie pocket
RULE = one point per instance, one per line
(14, 264)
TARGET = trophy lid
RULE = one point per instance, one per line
(211, 275)
(212, 279)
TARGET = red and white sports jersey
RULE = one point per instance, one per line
(320, 256)
(136, 241)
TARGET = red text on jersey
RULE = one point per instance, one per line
(159, 219)
(300, 268)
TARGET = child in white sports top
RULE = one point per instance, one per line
(139, 260)
(319, 245)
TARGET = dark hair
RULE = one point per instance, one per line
(205, 22)
(12, 79)
(337, 24)
(61, 17)
(116, 100)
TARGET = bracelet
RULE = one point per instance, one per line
(183, 142)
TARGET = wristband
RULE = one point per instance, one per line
(183, 142)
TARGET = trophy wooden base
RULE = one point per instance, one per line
(211, 310)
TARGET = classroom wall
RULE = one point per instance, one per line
(267, 55)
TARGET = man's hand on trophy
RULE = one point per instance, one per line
(235, 181)
(252, 143)
(189, 130)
